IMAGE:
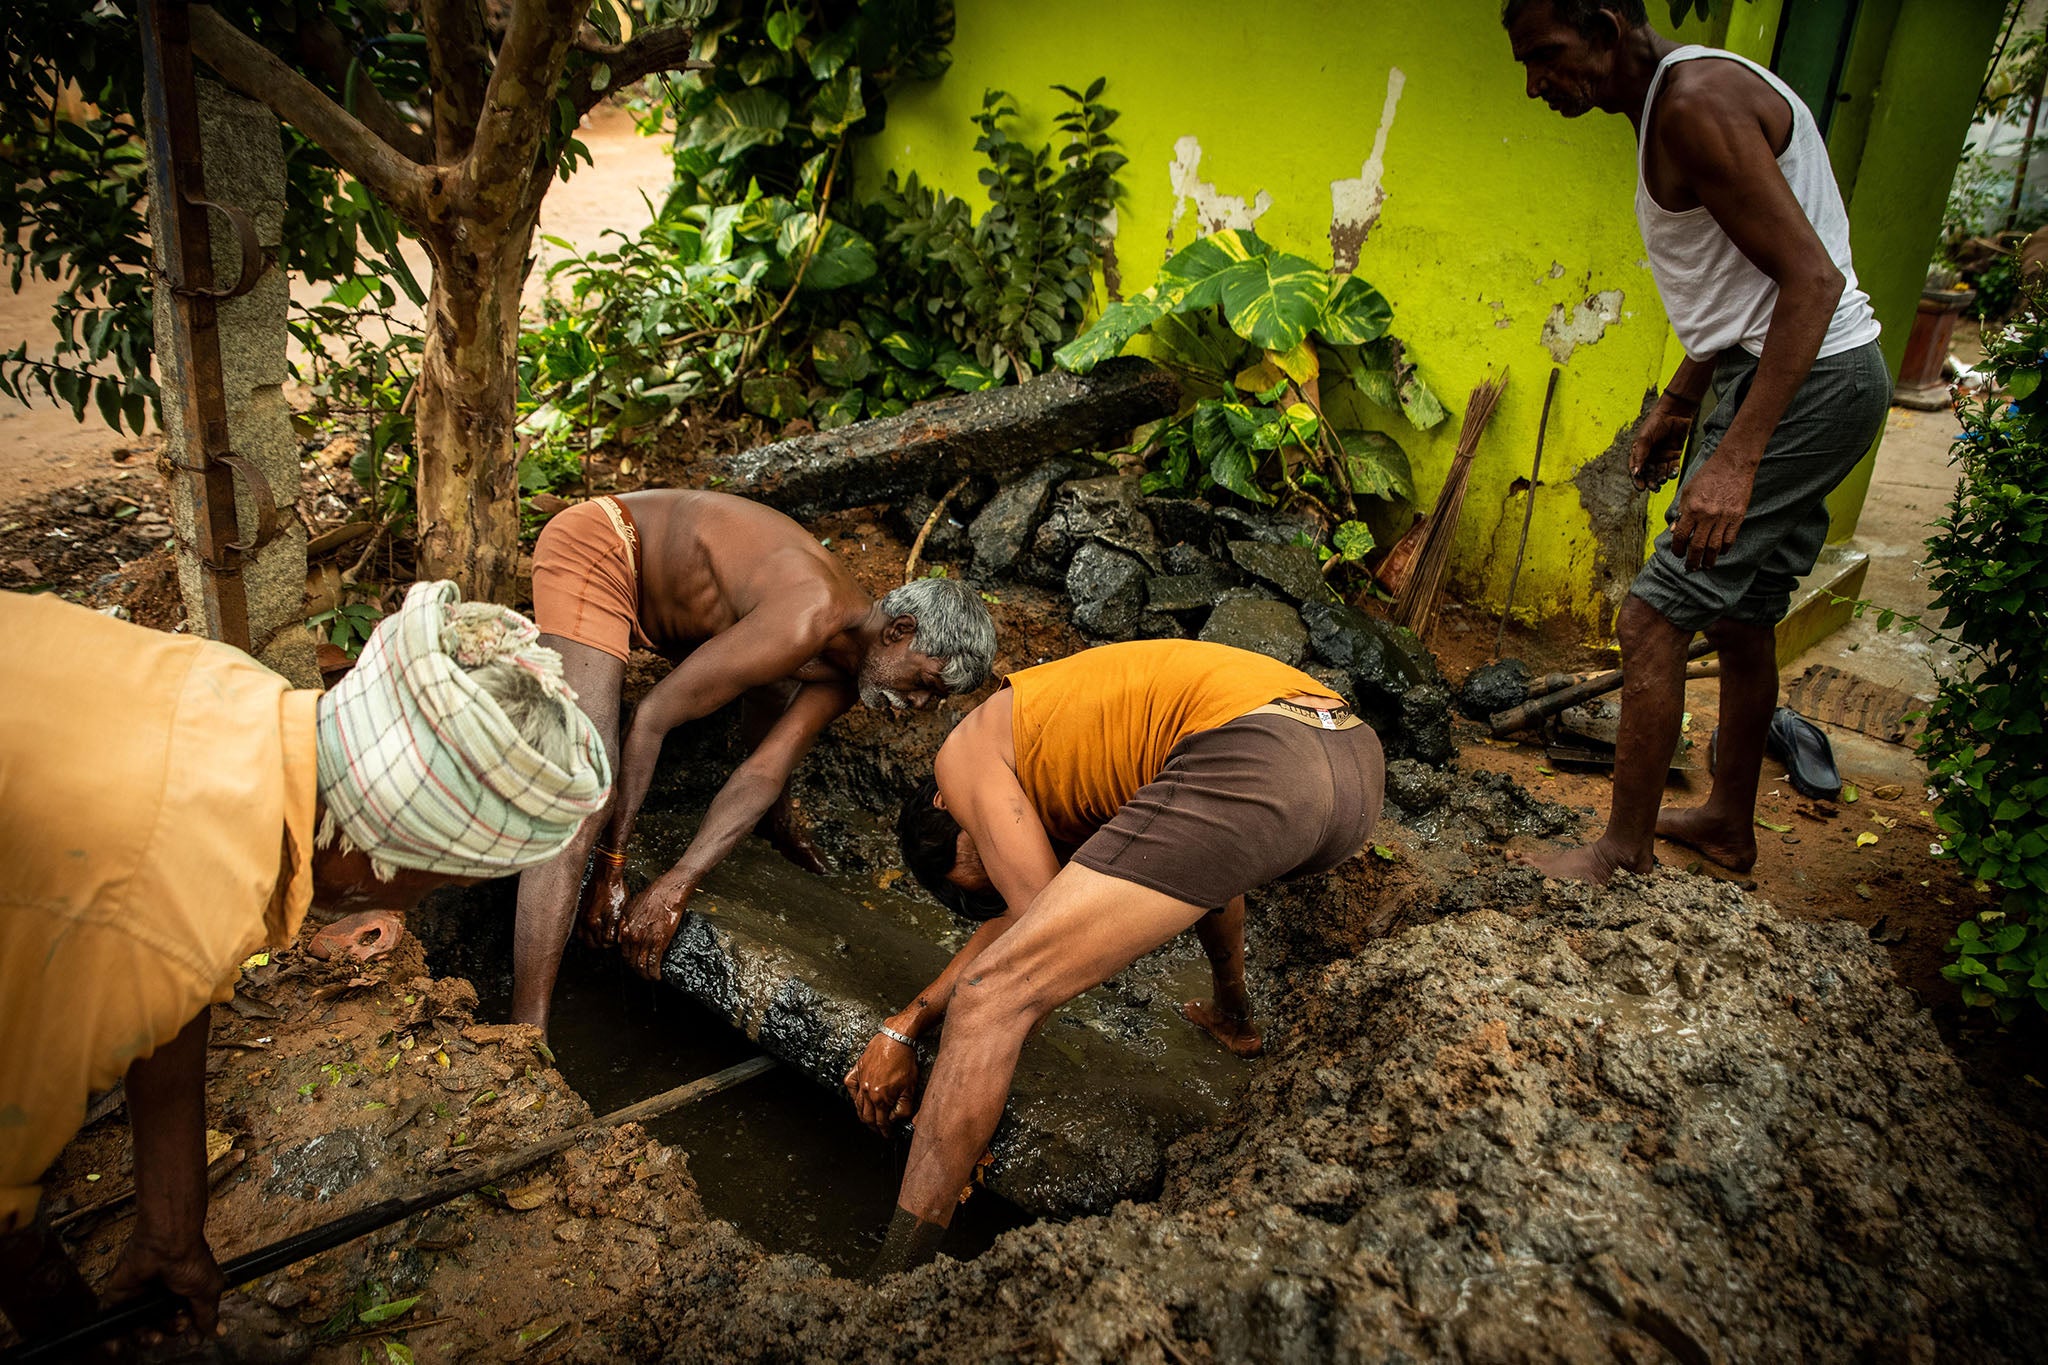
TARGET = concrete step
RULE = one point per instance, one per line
(1822, 603)
(808, 966)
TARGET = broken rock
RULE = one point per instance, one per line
(1270, 628)
(1102, 509)
(1003, 528)
(1290, 568)
(1108, 590)
(1494, 687)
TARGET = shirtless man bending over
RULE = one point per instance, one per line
(749, 605)
(1180, 774)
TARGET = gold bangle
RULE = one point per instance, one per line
(612, 856)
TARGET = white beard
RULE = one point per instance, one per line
(877, 698)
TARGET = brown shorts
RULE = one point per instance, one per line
(586, 577)
(1262, 798)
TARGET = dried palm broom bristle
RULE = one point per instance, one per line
(1416, 607)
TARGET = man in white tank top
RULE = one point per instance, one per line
(1749, 243)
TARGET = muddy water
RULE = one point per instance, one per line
(776, 1157)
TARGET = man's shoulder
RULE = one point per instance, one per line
(1712, 88)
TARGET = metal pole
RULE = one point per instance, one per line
(178, 182)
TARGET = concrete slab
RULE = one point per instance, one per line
(808, 966)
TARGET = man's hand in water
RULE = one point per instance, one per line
(604, 901)
(787, 835)
(882, 1083)
(651, 920)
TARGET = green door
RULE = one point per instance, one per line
(1813, 47)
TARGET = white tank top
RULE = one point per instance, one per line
(1715, 296)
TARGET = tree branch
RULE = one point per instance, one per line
(518, 103)
(257, 72)
(665, 47)
(323, 49)
(459, 59)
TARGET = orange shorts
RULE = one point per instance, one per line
(586, 577)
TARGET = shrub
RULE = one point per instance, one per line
(1986, 752)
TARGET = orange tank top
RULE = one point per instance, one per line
(1092, 728)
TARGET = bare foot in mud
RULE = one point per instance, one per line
(1241, 1036)
(1732, 846)
(1593, 862)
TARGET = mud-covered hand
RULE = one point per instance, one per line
(179, 1259)
(1712, 507)
(604, 900)
(1659, 445)
(651, 920)
(883, 1083)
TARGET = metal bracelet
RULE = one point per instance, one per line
(616, 857)
(903, 1038)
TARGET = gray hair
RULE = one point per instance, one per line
(543, 716)
(952, 624)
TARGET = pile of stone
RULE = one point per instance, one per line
(1140, 567)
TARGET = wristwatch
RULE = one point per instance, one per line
(903, 1038)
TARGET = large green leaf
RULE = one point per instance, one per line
(842, 356)
(837, 106)
(1193, 276)
(1356, 312)
(1227, 440)
(775, 396)
(1273, 300)
(737, 120)
(844, 257)
(1108, 335)
(1376, 466)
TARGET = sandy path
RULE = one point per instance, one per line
(42, 449)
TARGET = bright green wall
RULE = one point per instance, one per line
(1919, 114)
(1496, 211)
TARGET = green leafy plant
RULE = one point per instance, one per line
(1267, 342)
(349, 626)
(1984, 745)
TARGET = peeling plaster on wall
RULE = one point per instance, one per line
(1112, 277)
(1355, 203)
(1556, 271)
(1619, 515)
(1587, 324)
(1214, 210)
(1500, 313)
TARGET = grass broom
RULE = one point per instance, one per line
(1416, 605)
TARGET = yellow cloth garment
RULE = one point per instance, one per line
(1092, 728)
(157, 798)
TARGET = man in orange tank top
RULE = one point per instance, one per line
(1175, 775)
(1749, 243)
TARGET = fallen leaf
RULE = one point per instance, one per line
(889, 878)
(1887, 821)
(385, 1312)
(1849, 792)
(398, 1353)
(534, 1333)
(1865, 839)
(218, 1144)
(1545, 771)
(1863, 891)
(532, 1195)
(1762, 823)
(89, 1179)
(1890, 791)
(256, 960)
(1383, 853)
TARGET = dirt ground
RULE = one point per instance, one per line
(333, 1088)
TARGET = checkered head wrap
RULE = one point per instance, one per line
(421, 768)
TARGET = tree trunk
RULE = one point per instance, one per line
(465, 451)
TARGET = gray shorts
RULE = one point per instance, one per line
(1247, 803)
(1836, 415)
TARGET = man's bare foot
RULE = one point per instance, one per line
(1594, 862)
(1732, 846)
(1241, 1036)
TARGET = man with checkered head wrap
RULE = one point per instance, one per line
(172, 807)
